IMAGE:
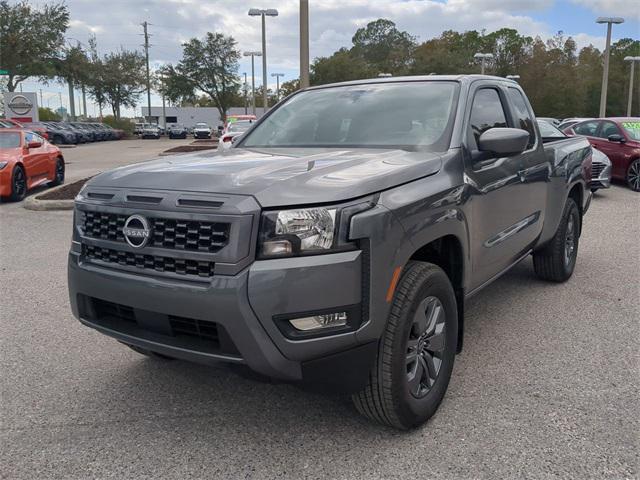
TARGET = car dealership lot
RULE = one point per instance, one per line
(547, 384)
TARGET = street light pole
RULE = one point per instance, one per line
(605, 74)
(277, 75)
(633, 61)
(268, 12)
(483, 57)
(253, 78)
(244, 89)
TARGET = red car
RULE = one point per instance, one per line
(26, 161)
(8, 123)
(619, 139)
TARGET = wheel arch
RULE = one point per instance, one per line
(447, 253)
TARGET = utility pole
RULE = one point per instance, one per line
(41, 102)
(72, 106)
(633, 61)
(269, 12)
(84, 101)
(304, 43)
(146, 54)
(253, 77)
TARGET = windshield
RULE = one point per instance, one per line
(633, 129)
(9, 139)
(549, 131)
(406, 115)
(240, 126)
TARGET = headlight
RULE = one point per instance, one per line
(3, 164)
(307, 231)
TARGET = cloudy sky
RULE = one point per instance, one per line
(332, 24)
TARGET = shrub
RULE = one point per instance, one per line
(122, 124)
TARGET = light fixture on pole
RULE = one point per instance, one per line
(267, 12)
(605, 74)
(633, 61)
(253, 77)
(277, 75)
(515, 78)
(484, 57)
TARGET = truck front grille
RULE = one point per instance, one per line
(179, 266)
(175, 234)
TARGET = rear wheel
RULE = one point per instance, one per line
(416, 352)
(557, 260)
(58, 179)
(633, 175)
(18, 184)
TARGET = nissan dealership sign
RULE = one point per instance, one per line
(20, 106)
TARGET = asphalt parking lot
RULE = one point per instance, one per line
(547, 385)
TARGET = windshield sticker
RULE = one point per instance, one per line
(631, 125)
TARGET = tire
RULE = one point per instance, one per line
(633, 175)
(18, 184)
(59, 173)
(557, 260)
(148, 353)
(409, 379)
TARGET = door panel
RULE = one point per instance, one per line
(613, 150)
(36, 161)
(500, 220)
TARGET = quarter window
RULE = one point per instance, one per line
(523, 119)
(486, 112)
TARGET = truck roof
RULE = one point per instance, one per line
(417, 78)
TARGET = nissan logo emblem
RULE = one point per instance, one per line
(136, 231)
(20, 105)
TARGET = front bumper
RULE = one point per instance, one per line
(244, 306)
(603, 179)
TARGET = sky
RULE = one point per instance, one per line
(116, 23)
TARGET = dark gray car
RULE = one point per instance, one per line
(337, 241)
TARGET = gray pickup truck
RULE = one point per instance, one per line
(337, 241)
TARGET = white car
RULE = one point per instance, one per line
(150, 130)
(232, 131)
(201, 130)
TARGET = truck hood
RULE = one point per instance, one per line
(278, 177)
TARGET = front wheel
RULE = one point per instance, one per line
(18, 184)
(416, 351)
(557, 260)
(633, 175)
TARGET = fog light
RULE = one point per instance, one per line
(318, 322)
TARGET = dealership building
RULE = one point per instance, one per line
(189, 116)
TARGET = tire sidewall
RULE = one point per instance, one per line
(572, 210)
(14, 197)
(414, 411)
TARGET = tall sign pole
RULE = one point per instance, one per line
(304, 43)
(146, 54)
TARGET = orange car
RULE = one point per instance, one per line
(26, 161)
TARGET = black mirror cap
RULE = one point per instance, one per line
(504, 141)
(616, 137)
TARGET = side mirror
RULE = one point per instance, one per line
(616, 137)
(235, 139)
(34, 144)
(504, 141)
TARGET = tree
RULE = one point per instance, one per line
(385, 48)
(95, 76)
(339, 67)
(30, 38)
(175, 87)
(211, 65)
(48, 115)
(122, 79)
(287, 88)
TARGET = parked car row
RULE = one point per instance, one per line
(66, 133)
(618, 139)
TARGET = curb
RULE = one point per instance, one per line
(33, 203)
(67, 146)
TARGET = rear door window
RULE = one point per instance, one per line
(487, 112)
(587, 128)
(609, 128)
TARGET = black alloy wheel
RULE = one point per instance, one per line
(633, 175)
(425, 346)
